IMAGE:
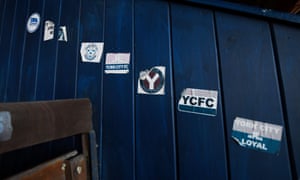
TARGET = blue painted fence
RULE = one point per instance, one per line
(249, 56)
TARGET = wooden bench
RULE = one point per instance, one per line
(25, 124)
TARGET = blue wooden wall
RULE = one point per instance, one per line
(252, 61)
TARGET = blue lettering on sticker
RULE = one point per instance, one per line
(33, 21)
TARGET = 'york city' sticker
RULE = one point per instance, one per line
(152, 81)
(33, 22)
(49, 30)
(91, 51)
(257, 135)
(117, 63)
(199, 101)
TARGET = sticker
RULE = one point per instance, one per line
(152, 81)
(117, 63)
(49, 30)
(33, 22)
(257, 135)
(91, 51)
(62, 34)
(199, 101)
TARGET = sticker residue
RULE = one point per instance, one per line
(91, 51)
(152, 82)
(257, 135)
(199, 101)
(117, 63)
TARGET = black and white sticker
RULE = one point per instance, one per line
(91, 51)
(33, 22)
(117, 63)
(152, 82)
(199, 101)
(62, 34)
(49, 30)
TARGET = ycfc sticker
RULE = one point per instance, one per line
(257, 135)
(33, 22)
(152, 81)
(117, 63)
(49, 30)
(199, 101)
(91, 51)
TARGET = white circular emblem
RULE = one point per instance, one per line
(33, 22)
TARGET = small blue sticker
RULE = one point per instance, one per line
(257, 135)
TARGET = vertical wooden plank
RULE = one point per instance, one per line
(65, 75)
(2, 12)
(118, 94)
(155, 152)
(89, 82)
(287, 39)
(8, 14)
(48, 53)
(250, 91)
(31, 55)
(18, 46)
(201, 138)
(6, 37)
(66, 69)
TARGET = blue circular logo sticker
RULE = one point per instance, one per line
(33, 22)
(91, 52)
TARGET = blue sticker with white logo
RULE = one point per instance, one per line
(257, 135)
(33, 22)
(91, 51)
(199, 101)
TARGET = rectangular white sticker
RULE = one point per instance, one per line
(199, 101)
(91, 51)
(152, 82)
(117, 63)
(257, 135)
(49, 30)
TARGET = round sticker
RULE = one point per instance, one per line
(157, 80)
(33, 23)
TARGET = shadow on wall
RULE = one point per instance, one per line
(292, 6)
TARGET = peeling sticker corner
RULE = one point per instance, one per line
(257, 135)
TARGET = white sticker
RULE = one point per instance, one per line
(257, 135)
(91, 51)
(152, 81)
(62, 34)
(49, 30)
(199, 101)
(117, 63)
(33, 22)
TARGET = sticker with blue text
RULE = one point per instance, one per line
(33, 22)
(199, 101)
(117, 63)
(257, 135)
